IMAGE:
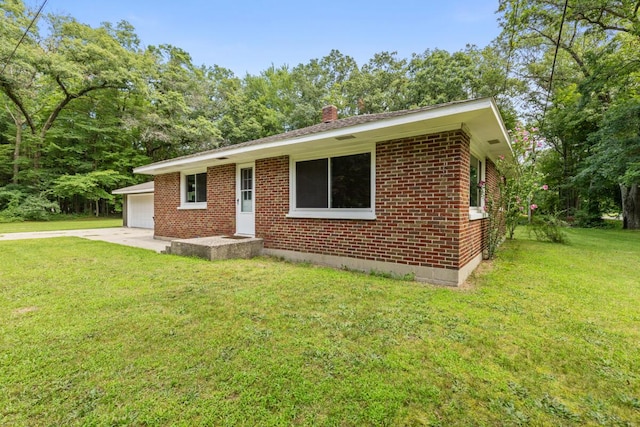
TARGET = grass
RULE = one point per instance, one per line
(67, 224)
(98, 334)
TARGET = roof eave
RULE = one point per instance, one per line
(182, 163)
(132, 192)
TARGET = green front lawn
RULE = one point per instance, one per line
(98, 334)
(70, 224)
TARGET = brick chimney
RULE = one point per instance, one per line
(329, 113)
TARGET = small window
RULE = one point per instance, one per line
(341, 182)
(476, 184)
(196, 188)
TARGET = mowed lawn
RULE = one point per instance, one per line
(75, 224)
(97, 334)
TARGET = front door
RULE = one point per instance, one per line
(245, 215)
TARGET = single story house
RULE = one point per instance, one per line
(137, 205)
(399, 192)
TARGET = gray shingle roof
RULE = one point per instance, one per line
(317, 129)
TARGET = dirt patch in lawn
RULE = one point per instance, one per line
(25, 310)
(473, 280)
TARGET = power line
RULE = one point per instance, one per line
(553, 66)
(35, 17)
(511, 42)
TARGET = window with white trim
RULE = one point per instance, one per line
(340, 186)
(193, 190)
(476, 188)
(476, 183)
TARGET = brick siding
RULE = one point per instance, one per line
(219, 218)
(422, 207)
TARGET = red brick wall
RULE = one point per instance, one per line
(421, 206)
(272, 199)
(217, 219)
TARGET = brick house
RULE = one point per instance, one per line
(392, 192)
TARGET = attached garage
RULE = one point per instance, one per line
(137, 205)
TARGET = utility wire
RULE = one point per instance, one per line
(553, 66)
(511, 41)
(23, 36)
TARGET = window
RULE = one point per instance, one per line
(330, 187)
(476, 189)
(246, 189)
(196, 188)
(476, 183)
(312, 184)
(351, 181)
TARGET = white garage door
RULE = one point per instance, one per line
(140, 210)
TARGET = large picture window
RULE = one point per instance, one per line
(196, 188)
(334, 183)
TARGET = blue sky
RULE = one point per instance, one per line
(249, 36)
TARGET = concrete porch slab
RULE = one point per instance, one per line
(217, 247)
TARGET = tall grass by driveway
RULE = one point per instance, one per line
(98, 334)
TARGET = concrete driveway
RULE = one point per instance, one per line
(136, 237)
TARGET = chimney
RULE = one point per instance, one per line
(329, 113)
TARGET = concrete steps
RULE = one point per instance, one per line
(217, 247)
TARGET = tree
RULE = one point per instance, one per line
(381, 84)
(616, 156)
(73, 62)
(595, 70)
(322, 82)
(173, 114)
(19, 74)
(438, 76)
(93, 186)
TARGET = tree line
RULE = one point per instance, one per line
(81, 106)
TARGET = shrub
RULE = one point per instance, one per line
(549, 228)
(34, 207)
(11, 194)
(589, 218)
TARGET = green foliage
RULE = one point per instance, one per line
(29, 207)
(589, 214)
(591, 118)
(549, 228)
(521, 179)
(381, 84)
(176, 114)
(93, 186)
(616, 154)
(12, 194)
(80, 99)
(521, 194)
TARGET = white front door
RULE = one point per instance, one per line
(245, 201)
